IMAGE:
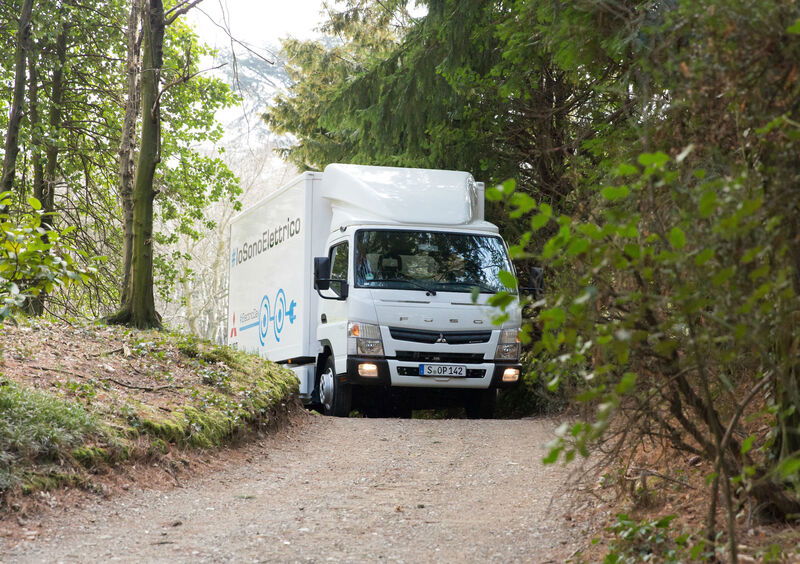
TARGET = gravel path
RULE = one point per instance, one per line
(341, 490)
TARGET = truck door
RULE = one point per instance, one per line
(333, 313)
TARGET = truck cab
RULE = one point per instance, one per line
(404, 320)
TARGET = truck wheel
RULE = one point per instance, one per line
(480, 404)
(335, 396)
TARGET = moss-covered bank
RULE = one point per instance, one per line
(75, 402)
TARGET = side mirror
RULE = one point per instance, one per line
(323, 280)
(322, 273)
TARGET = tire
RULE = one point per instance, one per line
(336, 397)
(480, 404)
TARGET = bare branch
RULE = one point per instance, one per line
(182, 7)
(246, 46)
(185, 78)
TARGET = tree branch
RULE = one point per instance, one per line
(176, 12)
(185, 78)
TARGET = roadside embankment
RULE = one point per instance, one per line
(79, 402)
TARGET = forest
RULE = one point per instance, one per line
(644, 153)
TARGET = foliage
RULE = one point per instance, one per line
(465, 87)
(189, 179)
(680, 321)
(37, 428)
(70, 137)
(34, 257)
(532, 395)
(650, 541)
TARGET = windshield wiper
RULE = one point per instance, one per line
(428, 291)
(472, 284)
(485, 287)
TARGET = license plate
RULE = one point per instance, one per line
(442, 370)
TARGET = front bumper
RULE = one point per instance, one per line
(393, 372)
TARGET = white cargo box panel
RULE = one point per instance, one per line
(270, 303)
(361, 194)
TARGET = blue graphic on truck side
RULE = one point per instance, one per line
(277, 317)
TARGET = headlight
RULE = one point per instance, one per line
(508, 346)
(364, 339)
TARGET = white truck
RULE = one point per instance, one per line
(363, 280)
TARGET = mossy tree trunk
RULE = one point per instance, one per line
(16, 113)
(127, 147)
(45, 181)
(787, 377)
(138, 308)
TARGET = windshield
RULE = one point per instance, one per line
(429, 260)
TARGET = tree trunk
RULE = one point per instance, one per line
(47, 196)
(45, 178)
(35, 127)
(18, 101)
(139, 309)
(34, 305)
(127, 147)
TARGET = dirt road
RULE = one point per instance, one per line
(341, 490)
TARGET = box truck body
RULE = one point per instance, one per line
(361, 279)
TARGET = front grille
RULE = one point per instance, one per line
(419, 356)
(414, 371)
(450, 337)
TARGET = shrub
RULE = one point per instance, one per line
(34, 259)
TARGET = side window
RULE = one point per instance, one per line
(339, 263)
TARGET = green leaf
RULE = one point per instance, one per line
(664, 522)
(630, 231)
(677, 238)
(626, 383)
(794, 29)
(34, 203)
(501, 299)
(552, 455)
(747, 444)
(723, 276)
(475, 293)
(633, 251)
(550, 248)
(577, 246)
(613, 193)
(591, 230)
(554, 317)
(507, 279)
(539, 220)
(704, 256)
(750, 255)
(708, 203)
(789, 467)
(523, 202)
(626, 169)
(697, 550)
(494, 195)
(656, 160)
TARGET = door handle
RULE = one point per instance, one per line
(323, 318)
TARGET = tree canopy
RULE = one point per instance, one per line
(74, 95)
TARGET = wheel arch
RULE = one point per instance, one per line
(327, 350)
